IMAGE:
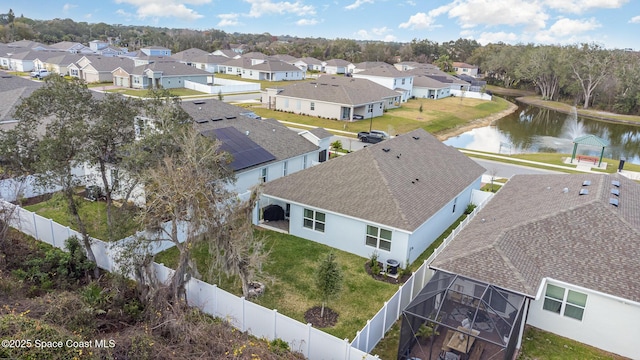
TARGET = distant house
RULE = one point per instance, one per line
(332, 97)
(429, 88)
(570, 243)
(272, 70)
(71, 47)
(187, 56)
(263, 149)
(209, 63)
(155, 51)
(58, 63)
(465, 69)
(309, 64)
(393, 198)
(391, 78)
(28, 45)
(99, 69)
(12, 90)
(227, 53)
(359, 67)
(336, 66)
(168, 75)
(97, 45)
(284, 58)
(24, 60)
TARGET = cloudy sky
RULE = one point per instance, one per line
(611, 23)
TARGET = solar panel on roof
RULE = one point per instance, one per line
(245, 152)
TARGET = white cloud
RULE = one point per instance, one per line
(418, 21)
(228, 20)
(376, 34)
(68, 7)
(165, 8)
(266, 7)
(411, 3)
(495, 37)
(635, 20)
(306, 22)
(380, 31)
(357, 4)
(579, 6)
(471, 13)
(424, 20)
(567, 30)
(123, 14)
(88, 16)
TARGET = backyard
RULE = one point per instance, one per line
(434, 116)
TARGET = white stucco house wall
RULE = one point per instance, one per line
(273, 70)
(391, 78)
(425, 87)
(465, 69)
(393, 198)
(168, 74)
(569, 243)
(336, 66)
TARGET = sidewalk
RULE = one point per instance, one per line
(582, 166)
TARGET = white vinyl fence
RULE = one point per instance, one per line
(242, 314)
(471, 94)
(367, 338)
(223, 86)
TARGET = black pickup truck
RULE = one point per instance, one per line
(375, 136)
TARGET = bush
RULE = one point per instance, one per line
(470, 208)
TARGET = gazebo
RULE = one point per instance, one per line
(590, 140)
(470, 319)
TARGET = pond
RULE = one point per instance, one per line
(532, 129)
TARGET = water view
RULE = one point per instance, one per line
(532, 129)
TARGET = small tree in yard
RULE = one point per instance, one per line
(336, 145)
(329, 279)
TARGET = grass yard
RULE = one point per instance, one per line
(436, 116)
(94, 213)
(291, 289)
(143, 93)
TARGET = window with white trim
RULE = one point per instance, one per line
(304, 162)
(370, 108)
(285, 168)
(378, 238)
(563, 301)
(263, 175)
(313, 220)
(313, 105)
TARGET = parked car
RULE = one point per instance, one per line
(39, 74)
(375, 136)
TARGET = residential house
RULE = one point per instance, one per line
(285, 58)
(391, 78)
(262, 149)
(336, 66)
(28, 45)
(112, 51)
(429, 88)
(5, 52)
(465, 69)
(209, 63)
(24, 60)
(393, 198)
(359, 67)
(570, 244)
(333, 97)
(227, 53)
(475, 85)
(309, 64)
(166, 74)
(97, 45)
(12, 90)
(99, 69)
(455, 84)
(58, 62)
(156, 51)
(71, 47)
(273, 70)
(235, 66)
(407, 65)
(238, 48)
(187, 56)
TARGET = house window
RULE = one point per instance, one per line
(314, 220)
(562, 301)
(403, 81)
(378, 238)
(304, 162)
(285, 168)
(455, 201)
(313, 106)
(263, 175)
(370, 108)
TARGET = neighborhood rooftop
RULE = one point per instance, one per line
(400, 182)
(548, 226)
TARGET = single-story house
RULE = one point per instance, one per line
(227, 53)
(568, 243)
(169, 75)
(156, 51)
(429, 88)
(58, 62)
(71, 47)
(28, 45)
(262, 149)
(332, 97)
(465, 69)
(393, 198)
(391, 78)
(186, 56)
(360, 67)
(273, 70)
(97, 69)
(209, 63)
(309, 64)
(12, 90)
(337, 66)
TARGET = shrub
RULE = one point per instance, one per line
(470, 208)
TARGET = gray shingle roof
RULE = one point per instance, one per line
(337, 62)
(425, 81)
(310, 61)
(168, 68)
(110, 63)
(381, 186)
(189, 54)
(384, 71)
(339, 90)
(321, 133)
(12, 90)
(63, 59)
(532, 229)
(274, 137)
(274, 65)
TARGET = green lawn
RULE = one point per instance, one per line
(144, 93)
(94, 214)
(291, 269)
(436, 116)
